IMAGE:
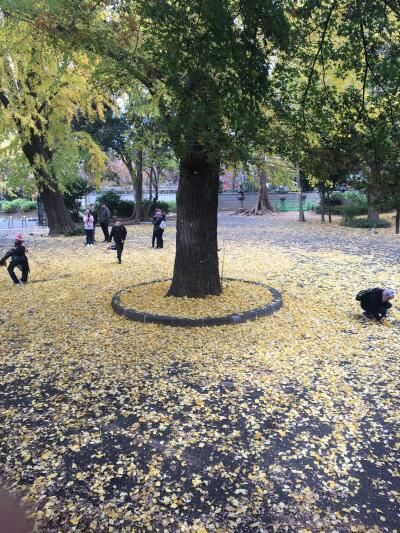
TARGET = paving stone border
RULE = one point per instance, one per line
(175, 321)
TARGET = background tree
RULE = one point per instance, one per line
(40, 92)
(207, 64)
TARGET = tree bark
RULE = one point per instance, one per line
(263, 205)
(137, 182)
(301, 210)
(397, 220)
(58, 217)
(150, 174)
(328, 195)
(373, 215)
(323, 203)
(196, 269)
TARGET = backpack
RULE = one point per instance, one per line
(362, 293)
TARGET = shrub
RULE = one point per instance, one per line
(125, 208)
(28, 205)
(112, 200)
(168, 207)
(17, 202)
(337, 198)
(353, 210)
(7, 207)
(335, 209)
(79, 230)
(172, 206)
(365, 223)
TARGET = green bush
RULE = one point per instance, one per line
(347, 204)
(7, 207)
(172, 206)
(125, 208)
(353, 210)
(337, 198)
(28, 205)
(17, 202)
(365, 223)
(335, 209)
(168, 207)
(112, 200)
(79, 230)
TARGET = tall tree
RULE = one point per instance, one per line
(40, 91)
(207, 64)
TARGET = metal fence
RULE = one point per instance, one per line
(292, 205)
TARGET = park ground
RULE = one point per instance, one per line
(289, 423)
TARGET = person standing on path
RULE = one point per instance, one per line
(375, 302)
(18, 259)
(118, 233)
(104, 219)
(154, 220)
(88, 224)
(93, 212)
(159, 226)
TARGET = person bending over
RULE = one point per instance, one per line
(375, 302)
(18, 259)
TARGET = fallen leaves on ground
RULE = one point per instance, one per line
(289, 423)
(237, 297)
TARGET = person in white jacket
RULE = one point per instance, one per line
(88, 224)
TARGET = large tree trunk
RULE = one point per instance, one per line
(138, 211)
(137, 181)
(58, 217)
(263, 205)
(373, 215)
(397, 220)
(196, 270)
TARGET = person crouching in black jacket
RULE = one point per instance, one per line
(118, 233)
(375, 302)
(18, 259)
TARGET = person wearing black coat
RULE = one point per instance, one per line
(375, 302)
(158, 219)
(118, 233)
(18, 259)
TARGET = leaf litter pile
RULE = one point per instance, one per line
(237, 297)
(288, 423)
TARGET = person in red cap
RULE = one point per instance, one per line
(18, 259)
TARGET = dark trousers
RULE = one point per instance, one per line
(119, 246)
(104, 227)
(153, 238)
(377, 312)
(89, 236)
(159, 237)
(23, 265)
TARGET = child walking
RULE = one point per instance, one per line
(118, 233)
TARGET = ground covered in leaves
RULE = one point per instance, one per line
(237, 297)
(288, 423)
